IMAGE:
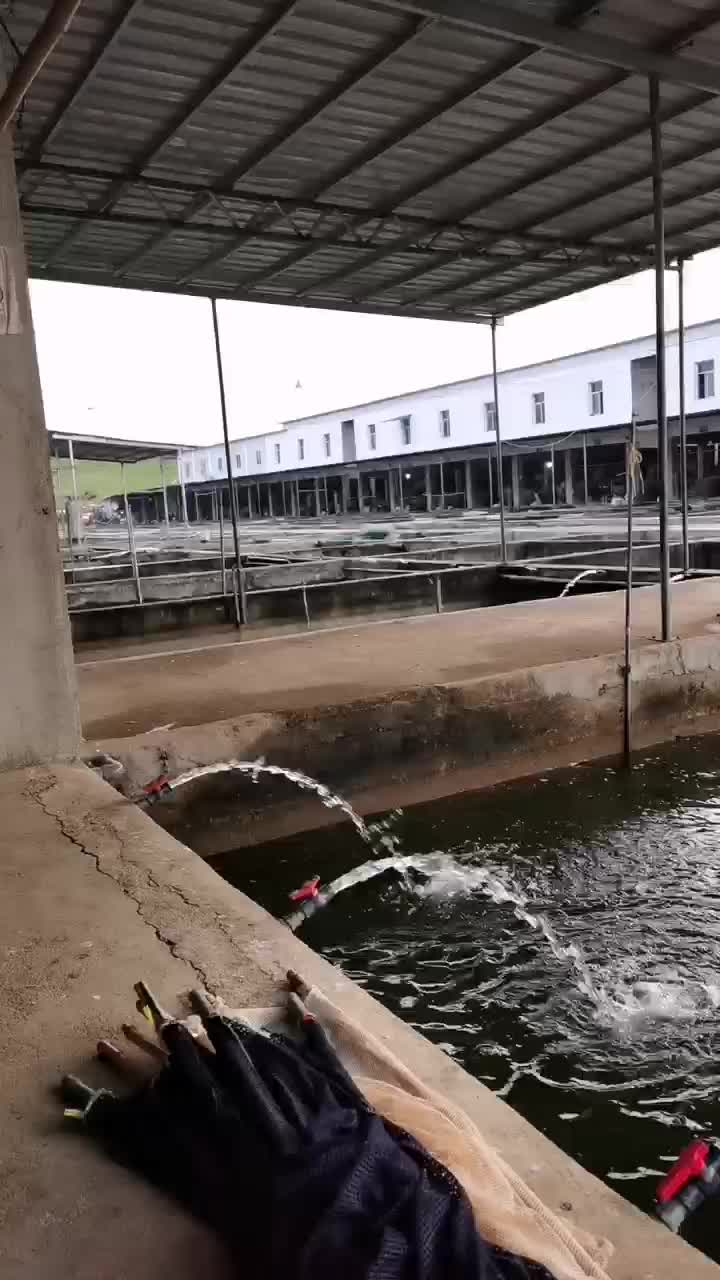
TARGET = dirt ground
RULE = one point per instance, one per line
(129, 690)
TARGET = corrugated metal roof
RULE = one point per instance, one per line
(445, 158)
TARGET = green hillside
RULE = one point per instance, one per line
(98, 480)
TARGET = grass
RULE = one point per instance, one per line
(98, 480)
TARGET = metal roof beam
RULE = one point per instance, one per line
(590, 46)
(547, 116)
(501, 67)
(527, 225)
(238, 53)
(639, 243)
(118, 22)
(257, 200)
(634, 248)
(352, 79)
(230, 293)
(539, 248)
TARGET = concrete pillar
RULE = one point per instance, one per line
(373, 492)
(297, 498)
(568, 478)
(700, 462)
(270, 501)
(585, 469)
(317, 497)
(468, 485)
(490, 477)
(197, 507)
(345, 482)
(441, 469)
(428, 489)
(39, 719)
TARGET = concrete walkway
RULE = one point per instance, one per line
(133, 694)
(94, 896)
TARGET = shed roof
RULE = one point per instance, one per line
(444, 158)
(110, 449)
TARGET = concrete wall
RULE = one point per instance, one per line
(564, 383)
(38, 707)
(425, 742)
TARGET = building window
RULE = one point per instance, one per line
(705, 379)
(258, 457)
(203, 467)
(538, 408)
(405, 430)
(445, 423)
(301, 449)
(490, 416)
(597, 399)
(372, 436)
(219, 464)
(238, 461)
(187, 470)
(277, 453)
(326, 444)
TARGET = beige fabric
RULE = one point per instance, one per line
(507, 1212)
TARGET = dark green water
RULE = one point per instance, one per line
(611, 1044)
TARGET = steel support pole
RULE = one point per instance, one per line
(183, 494)
(71, 455)
(222, 544)
(662, 436)
(627, 684)
(498, 441)
(683, 423)
(131, 537)
(166, 513)
(226, 439)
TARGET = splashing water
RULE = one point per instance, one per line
(254, 768)
(445, 877)
(606, 1033)
(586, 573)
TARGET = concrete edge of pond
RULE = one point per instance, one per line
(385, 751)
(148, 902)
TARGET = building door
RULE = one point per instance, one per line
(348, 441)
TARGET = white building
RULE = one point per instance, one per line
(564, 424)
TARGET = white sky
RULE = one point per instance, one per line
(142, 365)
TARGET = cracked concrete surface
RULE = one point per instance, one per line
(94, 896)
